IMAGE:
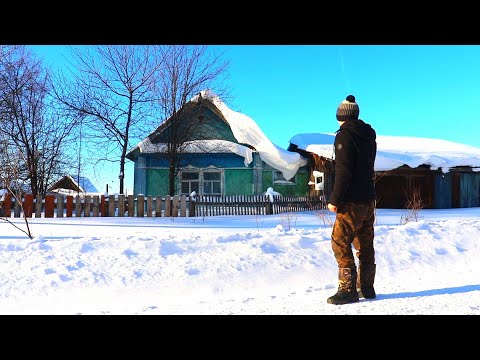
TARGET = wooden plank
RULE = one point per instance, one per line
(111, 205)
(60, 200)
(7, 205)
(158, 206)
(28, 205)
(78, 206)
(87, 200)
(101, 206)
(17, 210)
(96, 206)
(183, 206)
(175, 205)
(140, 205)
(149, 206)
(121, 205)
(49, 205)
(69, 205)
(131, 206)
(168, 205)
(191, 209)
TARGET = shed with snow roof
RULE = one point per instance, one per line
(442, 174)
(74, 185)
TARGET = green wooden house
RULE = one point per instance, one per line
(226, 154)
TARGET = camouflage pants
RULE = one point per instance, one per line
(354, 226)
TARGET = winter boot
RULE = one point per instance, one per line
(347, 291)
(365, 279)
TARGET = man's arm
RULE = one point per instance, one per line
(344, 161)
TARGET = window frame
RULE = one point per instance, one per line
(292, 181)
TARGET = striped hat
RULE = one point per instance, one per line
(348, 109)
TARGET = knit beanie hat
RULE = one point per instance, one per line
(348, 109)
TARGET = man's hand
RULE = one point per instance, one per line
(332, 208)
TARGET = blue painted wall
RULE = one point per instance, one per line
(443, 191)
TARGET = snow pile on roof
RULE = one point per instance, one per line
(247, 131)
(395, 151)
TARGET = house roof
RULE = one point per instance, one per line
(395, 151)
(68, 182)
(245, 131)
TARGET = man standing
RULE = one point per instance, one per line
(353, 201)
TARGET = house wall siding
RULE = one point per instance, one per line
(443, 191)
(300, 188)
(157, 182)
(470, 189)
(151, 173)
(239, 182)
(140, 176)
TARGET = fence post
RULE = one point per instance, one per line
(191, 209)
(268, 205)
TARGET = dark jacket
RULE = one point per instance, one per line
(355, 152)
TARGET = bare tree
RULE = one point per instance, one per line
(6, 51)
(413, 205)
(30, 121)
(114, 90)
(11, 183)
(186, 71)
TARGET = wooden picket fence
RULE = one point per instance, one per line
(59, 205)
(255, 205)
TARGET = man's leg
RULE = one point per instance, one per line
(365, 251)
(342, 237)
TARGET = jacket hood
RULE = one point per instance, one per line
(361, 129)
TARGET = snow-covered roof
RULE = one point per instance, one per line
(87, 185)
(84, 185)
(395, 151)
(246, 131)
(201, 146)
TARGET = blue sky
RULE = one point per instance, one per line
(427, 91)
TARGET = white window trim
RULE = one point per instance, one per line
(201, 171)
